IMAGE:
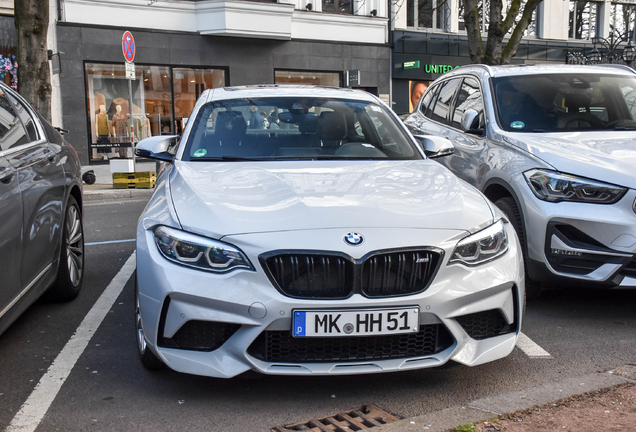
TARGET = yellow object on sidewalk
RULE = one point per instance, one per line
(136, 180)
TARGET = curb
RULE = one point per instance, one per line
(508, 403)
(105, 193)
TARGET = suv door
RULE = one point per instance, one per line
(465, 160)
(11, 133)
(42, 188)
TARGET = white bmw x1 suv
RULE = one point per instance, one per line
(554, 146)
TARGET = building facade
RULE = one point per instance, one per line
(430, 37)
(184, 47)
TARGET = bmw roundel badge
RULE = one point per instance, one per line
(353, 239)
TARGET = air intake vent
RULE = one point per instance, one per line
(282, 347)
(201, 335)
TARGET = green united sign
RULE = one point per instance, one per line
(428, 68)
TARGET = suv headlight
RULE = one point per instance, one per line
(482, 246)
(554, 187)
(199, 252)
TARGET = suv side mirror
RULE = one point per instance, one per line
(435, 146)
(470, 122)
(157, 147)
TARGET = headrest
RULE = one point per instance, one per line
(230, 123)
(308, 124)
(332, 126)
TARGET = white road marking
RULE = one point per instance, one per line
(532, 350)
(38, 403)
(109, 242)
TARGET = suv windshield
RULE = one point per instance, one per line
(296, 128)
(565, 102)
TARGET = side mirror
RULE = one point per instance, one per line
(470, 122)
(435, 146)
(157, 147)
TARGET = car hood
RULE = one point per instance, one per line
(606, 156)
(227, 198)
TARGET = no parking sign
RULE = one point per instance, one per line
(128, 46)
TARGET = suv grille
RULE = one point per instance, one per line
(315, 275)
(282, 347)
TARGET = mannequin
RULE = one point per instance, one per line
(102, 129)
(119, 127)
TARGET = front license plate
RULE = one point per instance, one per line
(355, 322)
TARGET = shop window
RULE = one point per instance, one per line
(583, 19)
(8, 52)
(188, 85)
(338, 6)
(428, 14)
(153, 111)
(622, 17)
(329, 79)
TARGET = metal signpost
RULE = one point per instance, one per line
(129, 49)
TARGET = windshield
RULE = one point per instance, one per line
(565, 102)
(296, 128)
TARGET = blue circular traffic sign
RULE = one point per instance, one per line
(128, 46)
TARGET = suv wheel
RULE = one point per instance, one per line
(511, 210)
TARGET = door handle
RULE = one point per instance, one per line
(6, 174)
(49, 155)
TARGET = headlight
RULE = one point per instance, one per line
(199, 252)
(482, 246)
(554, 187)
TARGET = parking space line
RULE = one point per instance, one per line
(532, 350)
(33, 410)
(109, 242)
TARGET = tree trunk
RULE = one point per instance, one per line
(498, 27)
(32, 23)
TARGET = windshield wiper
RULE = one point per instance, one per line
(625, 128)
(225, 158)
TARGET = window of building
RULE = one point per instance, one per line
(583, 19)
(329, 79)
(8, 52)
(338, 6)
(428, 14)
(622, 18)
(162, 99)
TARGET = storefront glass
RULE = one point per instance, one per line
(153, 111)
(330, 79)
(8, 52)
(188, 86)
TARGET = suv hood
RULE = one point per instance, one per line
(225, 198)
(606, 156)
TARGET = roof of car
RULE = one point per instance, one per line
(287, 90)
(532, 69)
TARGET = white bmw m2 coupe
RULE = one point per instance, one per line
(322, 241)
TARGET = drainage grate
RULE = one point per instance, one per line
(362, 418)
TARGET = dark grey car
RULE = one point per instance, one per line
(41, 234)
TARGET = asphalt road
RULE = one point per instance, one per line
(109, 390)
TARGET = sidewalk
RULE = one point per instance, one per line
(103, 190)
(549, 406)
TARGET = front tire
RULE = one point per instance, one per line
(70, 272)
(148, 359)
(509, 207)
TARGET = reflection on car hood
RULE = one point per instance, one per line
(605, 156)
(224, 198)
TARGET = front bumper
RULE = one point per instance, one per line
(585, 243)
(242, 305)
